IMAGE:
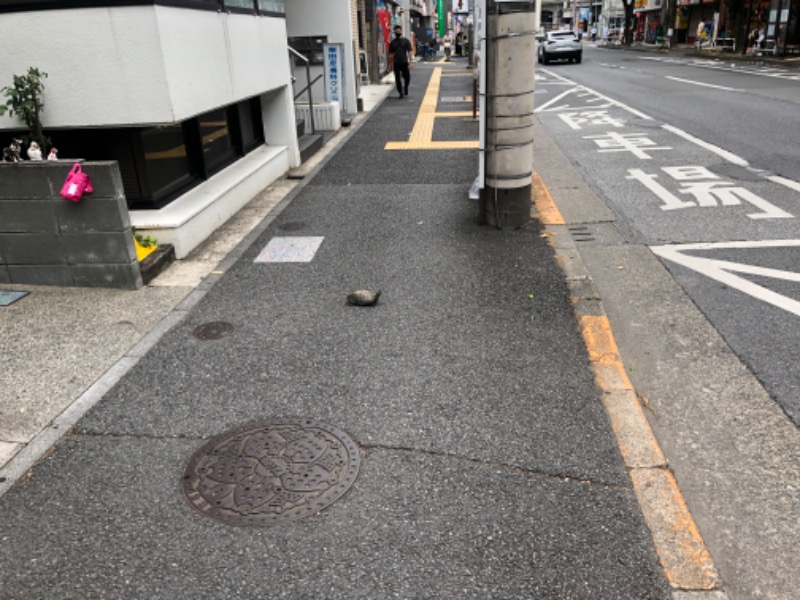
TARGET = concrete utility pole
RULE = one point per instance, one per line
(506, 197)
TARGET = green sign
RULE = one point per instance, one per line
(442, 16)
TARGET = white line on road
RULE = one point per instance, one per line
(722, 153)
(606, 98)
(552, 101)
(792, 185)
(710, 85)
(732, 68)
(723, 271)
(729, 156)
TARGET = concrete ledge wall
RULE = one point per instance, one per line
(47, 240)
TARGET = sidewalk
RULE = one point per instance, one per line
(488, 468)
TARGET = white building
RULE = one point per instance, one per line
(192, 97)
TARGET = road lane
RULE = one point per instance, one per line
(760, 123)
(735, 453)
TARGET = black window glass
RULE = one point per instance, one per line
(165, 158)
(216, 139)
(241, 4)
(250, 137)
(275, 6)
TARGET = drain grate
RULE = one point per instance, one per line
(215, 330)
(271, 472)
(8, 298)
(581, 234)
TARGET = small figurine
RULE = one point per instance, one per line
(11, 154)
(34, 152)
(53, 154)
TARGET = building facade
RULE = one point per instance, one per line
(191, 97)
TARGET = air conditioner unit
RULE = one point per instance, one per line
(327, 116)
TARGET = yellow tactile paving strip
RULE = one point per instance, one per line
(680, 547)
(421, 137)
(462, 113)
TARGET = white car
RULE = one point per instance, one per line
(558, 45)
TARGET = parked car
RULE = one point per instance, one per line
(562, 44)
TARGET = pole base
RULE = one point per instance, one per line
(505, 208)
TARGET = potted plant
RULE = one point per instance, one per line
(26, 100)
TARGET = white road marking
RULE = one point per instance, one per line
(710, 85)
(792, 185)
(721, 152)
(729, 156)
(290, 249)
(723, 270)
(611, 101)
(732, 68)
(553, 100)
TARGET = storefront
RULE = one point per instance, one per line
(693, 13)
(648, 20)
(421, 23)
(783, 26)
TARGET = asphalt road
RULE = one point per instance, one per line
(747, 109)
(683, 175)
(683, 164)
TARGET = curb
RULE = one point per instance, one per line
(681, 550)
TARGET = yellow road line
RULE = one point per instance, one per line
(681, 550)
(463, 113)
(421, 137)
(431, 145)
(548, 212)
(680, 547)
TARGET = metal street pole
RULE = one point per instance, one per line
(506, 197)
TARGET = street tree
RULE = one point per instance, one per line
(736, 21)
(628, 31)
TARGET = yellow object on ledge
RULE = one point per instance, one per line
(141, 251)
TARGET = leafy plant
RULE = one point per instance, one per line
(146, 241)
(26, 100)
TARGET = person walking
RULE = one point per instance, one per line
(448, 45)
(400, 57)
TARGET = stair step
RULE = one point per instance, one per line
(155, 263)
(309, 145)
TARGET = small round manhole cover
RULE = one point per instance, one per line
(270, 472)
(293, 226)
(213, 331)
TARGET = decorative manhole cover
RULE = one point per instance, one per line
(213, 331)
(270, 472)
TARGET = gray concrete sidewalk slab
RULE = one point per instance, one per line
(56, 341)
(456, 358)
(414, 526)
(488, 470)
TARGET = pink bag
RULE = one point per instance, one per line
(76, 184)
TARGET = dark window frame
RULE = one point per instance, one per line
(257, 122)
(126, 145)
(215, 166)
